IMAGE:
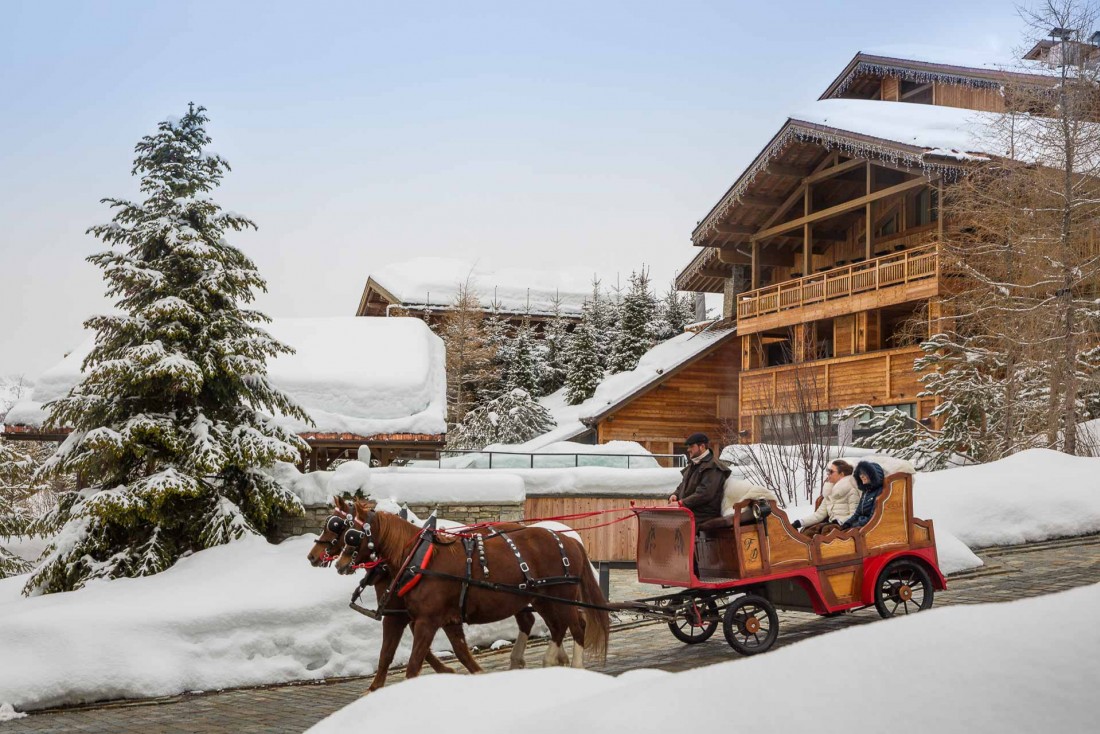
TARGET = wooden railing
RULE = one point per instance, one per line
(880, 272)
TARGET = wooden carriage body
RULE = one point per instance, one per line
(826, 573)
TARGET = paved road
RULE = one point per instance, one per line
(1009, 573)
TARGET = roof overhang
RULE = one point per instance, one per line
(865, 64)
(799, 133)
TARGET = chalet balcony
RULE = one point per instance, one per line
(882, 281)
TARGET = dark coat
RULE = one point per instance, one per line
(870, 492)
(701, 488)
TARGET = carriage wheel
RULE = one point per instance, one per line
(903, 587)
(751, 624)
(696, 623)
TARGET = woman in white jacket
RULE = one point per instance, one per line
(839, 499)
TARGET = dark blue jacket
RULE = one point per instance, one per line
(871, 490)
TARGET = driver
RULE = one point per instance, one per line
(700, 489)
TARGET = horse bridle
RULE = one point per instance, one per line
(337, 524)
(353, 537)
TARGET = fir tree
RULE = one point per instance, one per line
(498, 344)
(17, 468)
(521, 367)
(601, 312)
(514, 417)
(637, 331)
(167, 432)
(675, 312)
(555, 340)
(585, 372)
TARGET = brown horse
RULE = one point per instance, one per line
(329, 544)
(435, 602)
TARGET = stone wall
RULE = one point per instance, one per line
(315, 515)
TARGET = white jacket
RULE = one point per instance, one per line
(838, 503)
(737, 490)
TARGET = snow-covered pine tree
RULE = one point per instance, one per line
(602, 313)
(555, 340)
(636, 328)
(522, 368)
(499, 345)
(514, 417)
(167, 434)
(17, 468)
(583, 359)
(675, 311)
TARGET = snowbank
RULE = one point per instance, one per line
(950, 670)
(1031, 496)
(247, 613)
(434, 282)
(351, 375)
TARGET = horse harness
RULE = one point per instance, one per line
(416, 565)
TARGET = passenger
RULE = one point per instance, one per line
(869, 479)
(701, 488)
(839, 499)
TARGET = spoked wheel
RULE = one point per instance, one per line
(903, 587)
(697, 622)
(751, 624)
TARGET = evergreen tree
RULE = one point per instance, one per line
(522, 366)
(167, 432)
(602, 314)
(555, 340)
(637, 331)
(585, 372)
(675, 311)
(513, 417)
(498, 343)
(17, 467)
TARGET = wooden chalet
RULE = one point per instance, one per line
(826, 246)
(373, 383)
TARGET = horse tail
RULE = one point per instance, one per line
(597, 622)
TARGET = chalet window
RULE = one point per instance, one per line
(927, 208)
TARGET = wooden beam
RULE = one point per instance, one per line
(755, 266)
(713, 273)
(733, 229)
(836, 170)
(806, 230)
(766, 202)
(783, 208)
(870, 187)
(732, 255)
(780, 169)
(838, 209)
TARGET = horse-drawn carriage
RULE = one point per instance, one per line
(740, 574)
(735, 572)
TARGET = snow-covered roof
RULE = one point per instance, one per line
(932, 137)
(351, 375)
(972, 65)
(434, 281)
(657, 364)
(935, 130)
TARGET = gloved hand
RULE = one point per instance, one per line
(796, 524)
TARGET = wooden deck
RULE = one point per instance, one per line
(882, 281)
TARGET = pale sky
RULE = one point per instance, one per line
(573, 134)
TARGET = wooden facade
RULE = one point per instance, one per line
(827, 250)
(701, 396)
